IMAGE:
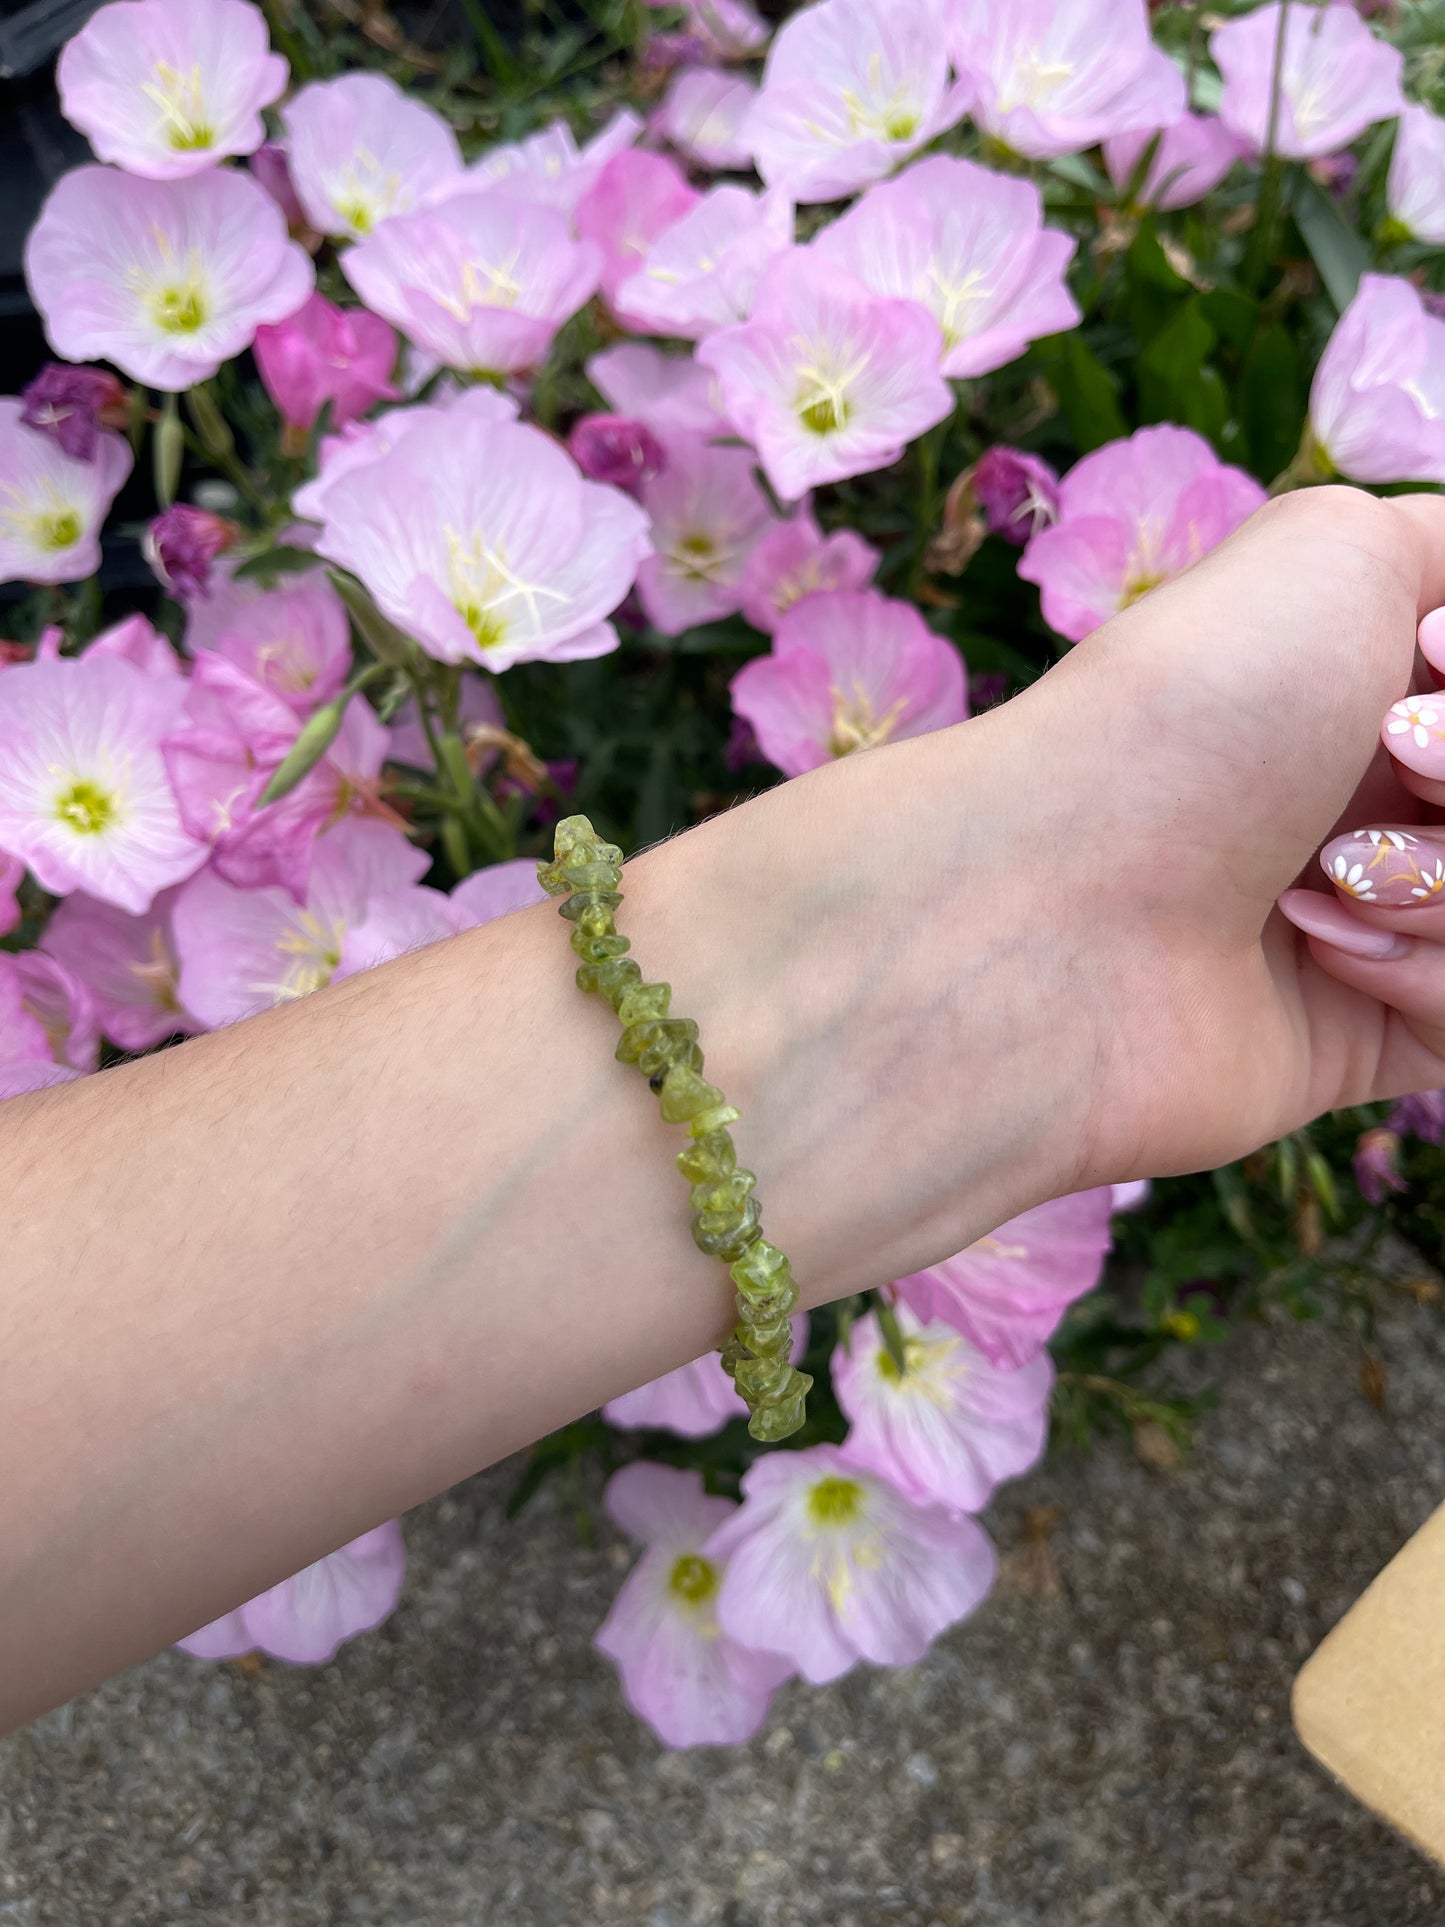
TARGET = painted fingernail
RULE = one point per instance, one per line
(1414, 733)
(1398, 869)
(1431, 637)
(1331, 922)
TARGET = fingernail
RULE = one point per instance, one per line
(1414, 733)
(1331, 922)
(1431, 637)
(1398, 869)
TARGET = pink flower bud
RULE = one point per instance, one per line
(322, 354)
(181, 545)
(616, 449)
(73, 405)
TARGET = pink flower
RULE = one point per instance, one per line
(242, 951)
(851, 88)
(692, 1684)
(293, 640)
(952, 1426)
(694, 1400)
(794, 559)
(63, 1007)
(1194, 154)
(828, 1564)
(670, 394)
(169, 87)
(73, 405)
(1337, 78)
(1133, 514)
(616, 450)
(309, 1616)
(224, 749)
(393, 925)
(1007, 1292)
(26, 1063)
(495, 892)
(182, 543)
(1377, 406)
(167, 279)
(127, 964)
(483, 280)
(1018, 493)
(1056, 76)
(133, 640)
(702, 115)
(632, 201)
(1420, 1115)
(968, 245)
(482, 541)
(324, 354)
(701, 273)
(53, 505)
(723, 29)
(827, 379)
(84, 798)
(1415, 192)
(848, 671)
(361, 151)
(361, 443)
(549, 166)
(270, 167)
(706, 511)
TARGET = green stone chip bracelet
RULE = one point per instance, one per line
(726, 1220)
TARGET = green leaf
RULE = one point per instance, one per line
(1336, 250)
(1088, 393)
(1175, 382)
(1234, 316)
(266, 564)
(385, 641)
(318, 733)
(1155, 289)
(1271, 400)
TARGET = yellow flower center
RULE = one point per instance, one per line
(179, 308)
(856, 727)
(181, 100)
(693, 1579)
(85, 807)
(60, 530)
(835, 1501)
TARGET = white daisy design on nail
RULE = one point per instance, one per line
(1415, 716)
(1351, 878)
(1432, 882)
(1396, 839)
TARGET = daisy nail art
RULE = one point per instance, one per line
(1393, 868)
(1414, 733)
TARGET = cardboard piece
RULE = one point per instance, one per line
(1370, 1703)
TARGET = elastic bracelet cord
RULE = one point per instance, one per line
(726, 1218)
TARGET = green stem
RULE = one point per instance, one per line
(1267, 207)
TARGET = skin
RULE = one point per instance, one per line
(269, 1288)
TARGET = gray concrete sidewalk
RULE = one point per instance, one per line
(1113, 1750)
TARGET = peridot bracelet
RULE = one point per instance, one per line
(725, 1215)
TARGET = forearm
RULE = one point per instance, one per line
(273, 1286)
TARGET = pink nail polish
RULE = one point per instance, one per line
(1414, 733)
(1431, 637)
(1398, 869)
(1331, 922)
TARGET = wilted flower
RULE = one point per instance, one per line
(968, 245)
(52, 505)
(169, 87)
(1415, 192)
(702, 115)
(481, 540)
(827, 379)
(670, 394)
(848, 671)
(949, 1427)
(307, 1617)
(1056, 76)
(1377, 406)
(1018, 493)
(1376, 1164)
(1336, 78)
(483, 280)
(84, 798)
(692, 1684)
(1193, 155)
(706, 511)
(794, 559)
(182, 543)
(293, 640)
(361, 151)
(1007, 1292)
(617, 450)
(167, 279)
(828, 1564)
(127, 963)
(73, 405)
(1132, 515)
(635, 198)
(851, 89)
(701, 273)
(323, 354)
